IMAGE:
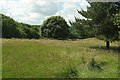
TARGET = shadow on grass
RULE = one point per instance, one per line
(112, 48)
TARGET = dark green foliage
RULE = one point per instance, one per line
(55, 27)
(81, 30)
(74, 34)
(32, 32)
(13, 29)
(9, 27)
(101, 16)
(21, 31)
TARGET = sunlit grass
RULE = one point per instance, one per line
(23, 58)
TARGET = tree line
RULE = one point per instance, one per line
(102, 20)
(55, 27)
(13, 29)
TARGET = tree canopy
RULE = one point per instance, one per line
(55, 27)
(101, 16)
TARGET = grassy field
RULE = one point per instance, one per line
(86, 58)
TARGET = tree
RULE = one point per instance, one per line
(21, 31)
(9, 27)
(118, 22)
(55, 27)
(102, 16)
(32, 33)
(73, 32)
(79, 29)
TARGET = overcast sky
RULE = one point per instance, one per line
(36, 11)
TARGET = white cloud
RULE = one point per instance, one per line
(46, 8)
(36, 11)
(69, 11)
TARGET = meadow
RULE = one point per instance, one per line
(44, 58)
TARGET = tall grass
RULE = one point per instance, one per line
(23, 58)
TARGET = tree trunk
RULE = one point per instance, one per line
(107, 44)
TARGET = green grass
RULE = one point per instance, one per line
(23, 58)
